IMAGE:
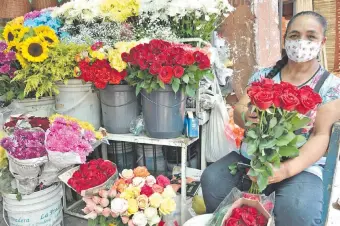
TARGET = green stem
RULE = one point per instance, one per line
(261, 120)
(254, 188)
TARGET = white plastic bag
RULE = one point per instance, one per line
(218, 142)
(49, 174)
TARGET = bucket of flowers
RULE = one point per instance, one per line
(136, 199)
(89, 178)
(165, 73)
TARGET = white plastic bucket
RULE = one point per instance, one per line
(78, 100)
(42, 208)
(43, 107)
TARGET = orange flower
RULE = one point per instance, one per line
(120, 185)
(77, 58)
(141, 171)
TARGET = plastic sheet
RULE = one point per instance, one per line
(137, 126)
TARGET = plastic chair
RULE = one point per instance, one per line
(330, 170)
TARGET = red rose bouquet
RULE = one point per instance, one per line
(282, 110)
(91, 174)
(154, 64)
(101, 65)
(245, 209)
(31, 121)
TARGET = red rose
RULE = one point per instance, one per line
(277, 91)
(110, 172)
(165, 74)
(252, 90)
(261, 220)
(231, 222)
(289, 101)
(267, 83)
(146, 190)
(161, 58)
(155, 68)
(189, 59)
(249, 219)
(308, 100)
(123, 74)
(77, 174)
(150, 58)
(237, 213)
(268, 206)
(100, 179)
(198, 56)
(163, 181)
(106, 165)
(178, 71)
(126, 57)
(263, 99)
(83, 167)
(204, 63)
(142, 64)
(251, 196)
(288, 87)
(251, 210)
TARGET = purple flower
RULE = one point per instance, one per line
(3, 57)
(4, 69)
(32, 15)
(11, 56)
(3, 46)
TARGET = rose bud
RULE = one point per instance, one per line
(104, 202)
(114, 215)
(103, 193)
(106, 212)
(86, 210)
(130, 223)
(112, 193)
(98, 209)
(96, 199)
(125, 219)
(91, 206)
(92, 216)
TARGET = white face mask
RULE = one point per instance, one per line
(302, 50)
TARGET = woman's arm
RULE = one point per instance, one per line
(242, 108)
(317, 144)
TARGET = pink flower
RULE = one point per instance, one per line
(96, 199)
(130, 223)
(125, 219)
(98, 209)
(157, 188)
(93, 215)
(86, 210)
(103, 193)
(104, 202)
(163, 181)
(112, 193)
(106, 212)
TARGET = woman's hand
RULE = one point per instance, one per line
(280, 174)
(251, 116)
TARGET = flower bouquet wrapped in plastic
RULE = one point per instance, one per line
(69, 141)
(240, 208)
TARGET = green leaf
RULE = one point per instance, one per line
(252, 147)
(233, 166)
(278, 131)
(299, 123)
(140, 74)
(208, 74)
(233, 172)
(289, 151)
(273, 154)
(273, 122)
(269, 169)
(192, 68)
(161, 84)
(175, 86)
(138, 88)
(252, 173)
(264, 144)
(189, 91)
(262, 182)
(252, 134)
(185, 78)
(249, 123)
(285, 139)
(18, 196)
(176, 80)
(263, 159)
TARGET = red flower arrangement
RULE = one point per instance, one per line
(92, 174)
(159, 62)
(246, 216)
(41, 122)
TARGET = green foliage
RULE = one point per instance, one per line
(10, 90)
(188, 83)
(273, 140)
(40, 78)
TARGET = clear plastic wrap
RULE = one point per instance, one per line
(137, 126)
(235, 197)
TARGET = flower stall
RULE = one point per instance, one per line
(128, 66)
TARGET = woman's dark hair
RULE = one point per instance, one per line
(281, 63)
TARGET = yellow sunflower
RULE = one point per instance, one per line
(14, 32)
(22, 60)
(34, 49)
(17, 21)
(42, 29)
(50, 38)
(13, 46)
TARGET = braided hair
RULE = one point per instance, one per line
(281, 63)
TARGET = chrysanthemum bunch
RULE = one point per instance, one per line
(38, 18)
(120, 11)
(106, 32)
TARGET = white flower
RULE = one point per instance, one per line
(169, 192)
(139, 219)
(138, 182)
(119, 206)
(150, 180)
(155, 220)
(150, 213)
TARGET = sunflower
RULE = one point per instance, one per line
(34, 49)
(13, 46)
(50, 38)
(17, 21)
(42, 29)
(22, 60)
(14, 32)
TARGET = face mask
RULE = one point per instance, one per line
(302, 50)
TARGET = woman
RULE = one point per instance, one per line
(298, 182)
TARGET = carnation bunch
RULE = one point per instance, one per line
(136, 199)
(283, 111)
(92, 174)
(103, 65)
(67, 136)
(154, 64)
(25, 143)
(27, 122)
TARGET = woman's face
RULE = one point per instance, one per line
(306, 28)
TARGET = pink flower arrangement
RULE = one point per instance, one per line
(67, 136)
(25, 144)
